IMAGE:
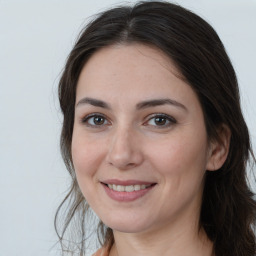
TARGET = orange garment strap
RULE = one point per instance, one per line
(101, 252)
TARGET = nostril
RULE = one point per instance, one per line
(131, 164)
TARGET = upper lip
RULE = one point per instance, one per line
(126, 182)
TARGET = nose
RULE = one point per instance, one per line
(124, 150)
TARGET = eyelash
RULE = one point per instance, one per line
(86, 119)
(166, 118)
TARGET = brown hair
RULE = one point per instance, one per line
(228, 208)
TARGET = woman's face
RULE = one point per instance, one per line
(139, 143)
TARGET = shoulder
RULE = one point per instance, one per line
(101, 252)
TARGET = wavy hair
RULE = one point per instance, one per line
(228, 208)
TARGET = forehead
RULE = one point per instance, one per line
(134, 71)
(146, 56)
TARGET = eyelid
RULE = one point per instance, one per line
(84, 120)
(169, 118)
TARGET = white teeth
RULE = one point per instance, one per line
(136, 187)
(130, 188)
(143, 186)
(120, 188)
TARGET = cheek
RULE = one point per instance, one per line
(87, 157)
(181, 167)
(83, 160)
(182, 159)
(86, 153)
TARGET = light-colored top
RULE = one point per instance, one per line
(101, 252)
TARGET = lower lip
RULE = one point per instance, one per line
(126, 196)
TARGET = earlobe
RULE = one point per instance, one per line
(219, 149)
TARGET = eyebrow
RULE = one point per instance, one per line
(139, 106)
(93, 102)
(159, 102)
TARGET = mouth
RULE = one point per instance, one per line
(130, 188)
(126, 191)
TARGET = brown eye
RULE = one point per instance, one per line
(95, 120)
(160, 120)
(98, 120)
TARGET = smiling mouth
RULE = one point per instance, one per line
(129, 188)
(126, 191)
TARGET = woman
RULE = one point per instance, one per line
(154, 138)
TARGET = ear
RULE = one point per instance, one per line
(218, 149)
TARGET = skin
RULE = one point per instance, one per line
(127, 143)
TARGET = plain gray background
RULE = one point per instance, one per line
(35, 39)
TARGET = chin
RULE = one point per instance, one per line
(125, 225)
(127, 229)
